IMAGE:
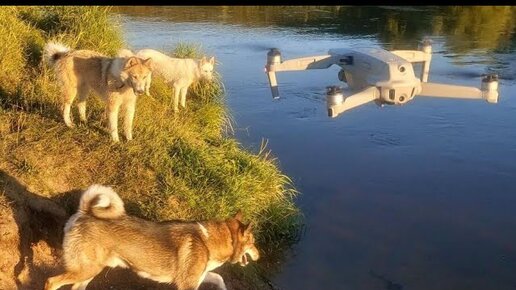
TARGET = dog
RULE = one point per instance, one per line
(184, 253)
(180, 72)
(117, 81)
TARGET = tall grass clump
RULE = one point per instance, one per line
(82, 27)
(179, 166)
(24, 30)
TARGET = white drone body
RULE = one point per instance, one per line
(374, 74)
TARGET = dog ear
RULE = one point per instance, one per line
(148, 62)
(245, 229)
(212, 60)
(203, 60)
(238, 215)
(130, 62)
(248, 227)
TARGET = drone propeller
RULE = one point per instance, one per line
(426, 41)
(475, 74)
(259, 47)
(466, 74)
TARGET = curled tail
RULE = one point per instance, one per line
(124, 52)
(53, 51)
(102, 202)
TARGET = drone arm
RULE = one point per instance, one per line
(274, 65)
(312, 62)
(412, 55)
(365, 96)
(424, 56)
(450, 91)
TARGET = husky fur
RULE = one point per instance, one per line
(180, 72)
(183, 253)
(116, 80)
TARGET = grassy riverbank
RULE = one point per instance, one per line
(183, 166)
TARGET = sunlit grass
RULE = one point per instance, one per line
(179, 166)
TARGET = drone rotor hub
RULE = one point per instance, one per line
(489, 88)
(273, 56)
(334, 96)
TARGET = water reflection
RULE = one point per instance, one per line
(464, 28)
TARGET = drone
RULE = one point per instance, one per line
(377, 75)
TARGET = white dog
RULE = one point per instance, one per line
(180, 72)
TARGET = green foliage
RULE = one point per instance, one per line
(24, 30)
(81, 27)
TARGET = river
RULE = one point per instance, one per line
(420, 196)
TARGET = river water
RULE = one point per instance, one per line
(421, 196)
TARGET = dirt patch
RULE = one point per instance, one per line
(31, 231)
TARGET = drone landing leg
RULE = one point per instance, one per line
(274, 84)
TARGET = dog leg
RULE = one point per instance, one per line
(82, 95)
(177, 90)
(183, 96)
(68, 97)
(54, 283)
(147, 84)
(187, 285)
(113, 106)
(216, 279)
(82, 285)
(192, 273)
(130, 107)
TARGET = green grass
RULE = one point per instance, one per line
(179, 166)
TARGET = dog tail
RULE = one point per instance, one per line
(124, 52)
(102, 202)
(53, 51)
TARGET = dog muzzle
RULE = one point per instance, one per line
(253, 255)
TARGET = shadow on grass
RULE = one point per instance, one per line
(40, 218)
